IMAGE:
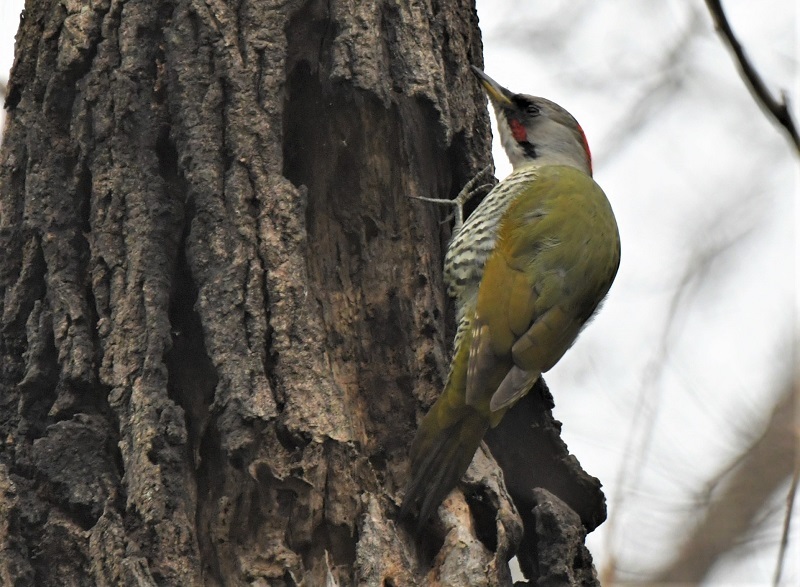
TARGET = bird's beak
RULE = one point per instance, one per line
(497, 93)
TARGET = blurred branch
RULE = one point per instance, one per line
(550, 34)
(777, 110)
(655, 94)
(645, 413)
(767, 464)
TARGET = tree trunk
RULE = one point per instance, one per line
(222, 316)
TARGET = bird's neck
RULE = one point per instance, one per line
(547, 157)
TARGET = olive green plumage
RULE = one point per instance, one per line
(528, 269)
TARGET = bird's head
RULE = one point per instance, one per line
(535, 130)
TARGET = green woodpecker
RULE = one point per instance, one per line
(527, 269)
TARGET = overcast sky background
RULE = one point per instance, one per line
(689, 163)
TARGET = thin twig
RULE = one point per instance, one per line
(777, 110)
(790, 498)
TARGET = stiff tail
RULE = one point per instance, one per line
(439, 458)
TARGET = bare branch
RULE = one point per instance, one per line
(778, 110)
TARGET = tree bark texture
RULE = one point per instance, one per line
(222, 316)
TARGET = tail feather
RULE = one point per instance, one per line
(439, 458)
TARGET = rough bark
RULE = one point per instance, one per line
(222, 315)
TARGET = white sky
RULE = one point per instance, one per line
(704, 167)
(9, 21)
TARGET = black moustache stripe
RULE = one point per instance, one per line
(529, 148)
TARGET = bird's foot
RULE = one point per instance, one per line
(470, 190)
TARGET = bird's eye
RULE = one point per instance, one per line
(532, 110)
(524, 105)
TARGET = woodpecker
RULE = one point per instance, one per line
(528, 268)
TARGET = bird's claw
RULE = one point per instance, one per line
(469, 190)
